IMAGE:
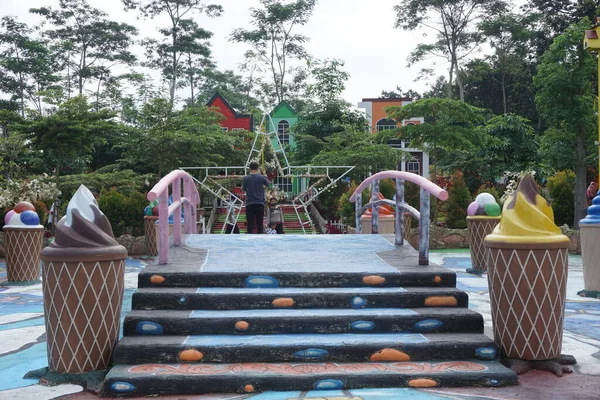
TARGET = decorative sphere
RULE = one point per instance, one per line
(484, 198)
(23, 206)
(30, 218)
(472, 209)
(148, 211)
(155, 211)
(8, 216)
(492, 209)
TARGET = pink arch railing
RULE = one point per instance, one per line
(427, 188)
(189, 201)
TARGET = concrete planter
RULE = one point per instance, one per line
(23, 247)
(82, 310)
(477, 229)
(527, 284)
(590, 252)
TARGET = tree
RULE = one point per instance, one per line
(190, 137)
(272, 42)
(69, 136)
(91, 44)
(459, 199)
(330, 80)
(453, 22)
(27, 65)
(184, 42)
(565, 99)
(448, 134)
(399, 93)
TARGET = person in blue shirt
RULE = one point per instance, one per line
(254, 186)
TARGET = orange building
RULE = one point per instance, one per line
(379, 121)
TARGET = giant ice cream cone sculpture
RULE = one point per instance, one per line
(482, 217)
(23, 236)
(589, 232)
(83, 272)
(527, 277)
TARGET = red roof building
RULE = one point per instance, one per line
(233, 120)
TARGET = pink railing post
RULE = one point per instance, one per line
(189, 201)
(163, 227)
(427, 188)
(177, 212)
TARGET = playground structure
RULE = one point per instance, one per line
(210, 178)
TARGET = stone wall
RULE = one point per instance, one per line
(135, 245)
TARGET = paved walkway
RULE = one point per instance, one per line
(23, 347)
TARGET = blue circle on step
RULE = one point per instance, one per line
(329, 384)
(428, 324)
(122, 387)
(148, 328)
(487, 353)
(311, 354)
(358, 302)
(363, 326)
(182, 300)
(261, 281)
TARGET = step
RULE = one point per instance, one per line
(273, 298)
(189, 379)
(373, 320)
(169, 276)
(336, 347)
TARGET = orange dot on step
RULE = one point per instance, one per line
(191, 355)
(390, 355)
(373, 280)
(441, 301)
(241, 325)
(422, 383)
(248, 388)
(437, 279)
(156, 279)
(283, 302)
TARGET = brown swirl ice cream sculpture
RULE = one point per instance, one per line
(83, 272)
(527, 277)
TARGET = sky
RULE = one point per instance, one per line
(357, 31)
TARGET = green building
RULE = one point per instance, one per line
(283, 118)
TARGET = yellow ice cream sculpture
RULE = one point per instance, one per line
(527, 218)
(527, 277)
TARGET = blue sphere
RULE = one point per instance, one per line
(30, 218)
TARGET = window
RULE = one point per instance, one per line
(224, 128)
(283, 131)
(413, 166)
(385, 124)
(284, 183)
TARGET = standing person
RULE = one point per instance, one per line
(254, 186)
(275, 216)
(591, 192)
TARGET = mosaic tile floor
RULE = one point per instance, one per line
(23, 347)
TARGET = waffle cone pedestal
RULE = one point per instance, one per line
(590, 252)
(23, 247)
(82, 309)
(527, 283)
(478, 227)
(150, 237)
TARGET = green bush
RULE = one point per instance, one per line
(458, 202)
(387, 187)
(125, 212)
(346, 209)
(126, 182)
(561, 190)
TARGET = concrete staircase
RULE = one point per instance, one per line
(291, 222)
(193, 331)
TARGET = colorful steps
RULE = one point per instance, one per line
(322, 319)
(164, 379)
(332, 347)
(409, 277)
(253, 322)
(297, 298)
(293, 225)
